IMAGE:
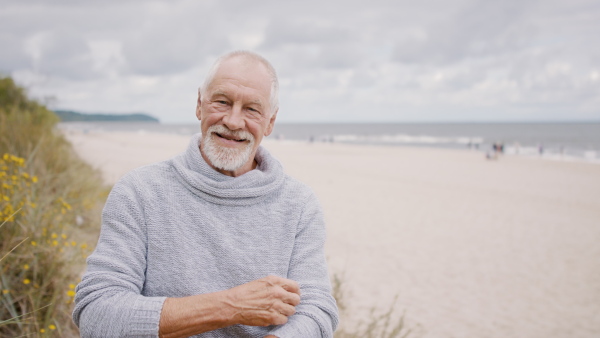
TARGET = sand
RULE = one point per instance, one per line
(471, 247)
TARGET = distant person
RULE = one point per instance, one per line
(218, 241)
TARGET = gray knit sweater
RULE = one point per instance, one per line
(179, 228)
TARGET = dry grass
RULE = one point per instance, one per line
(48, 199)
(379, 324)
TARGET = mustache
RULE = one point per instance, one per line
(235, 134)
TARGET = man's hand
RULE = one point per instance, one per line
(267, 301)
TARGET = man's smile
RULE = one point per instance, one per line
(230, 137)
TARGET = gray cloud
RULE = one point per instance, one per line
(12, 55)
(175, 40)
(337, 59)
(479, 29)
(66, 55)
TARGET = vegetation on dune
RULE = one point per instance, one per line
(48, 198)
(378, 325)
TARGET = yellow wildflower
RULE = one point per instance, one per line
(71, 293)
(42, 330)
(34, 179)
(71, 286)
(26, 267)
(52, 327)
(83, 246)
(25, 175)
(26, 281)
(73, 243)
(33, 243)
(54, 242)
(6, 198)
(54, 235)
(63, 236)
(5, 291)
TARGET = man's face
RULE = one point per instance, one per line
(235, 115)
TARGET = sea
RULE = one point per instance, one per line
(550, 141)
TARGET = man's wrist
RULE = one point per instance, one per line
(186, 316)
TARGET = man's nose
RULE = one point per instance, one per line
(234, 120)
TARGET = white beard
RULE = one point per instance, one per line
(226, 158)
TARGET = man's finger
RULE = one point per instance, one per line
(290, 286)
(286, 309)
(291, 298)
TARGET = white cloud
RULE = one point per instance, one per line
(337, 60)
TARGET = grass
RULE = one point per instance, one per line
(387, 324)
(48, 199)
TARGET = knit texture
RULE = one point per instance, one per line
(179, 228)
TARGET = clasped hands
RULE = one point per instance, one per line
(263, 302)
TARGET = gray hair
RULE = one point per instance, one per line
(274, 95)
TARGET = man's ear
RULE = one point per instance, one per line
(269, 129)
(198, 103)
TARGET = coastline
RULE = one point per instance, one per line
(472, 248)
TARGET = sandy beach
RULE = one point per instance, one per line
(472, 248)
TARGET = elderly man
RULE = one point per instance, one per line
(218, 241)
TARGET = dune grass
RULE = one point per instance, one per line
(49, 198)
(386, 324)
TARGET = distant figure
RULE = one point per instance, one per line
(497, 148)
(541, 149)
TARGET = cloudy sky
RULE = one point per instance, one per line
(338, 61)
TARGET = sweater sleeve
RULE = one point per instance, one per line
(317, 313)
(108, 300)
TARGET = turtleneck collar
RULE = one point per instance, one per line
(209, 184)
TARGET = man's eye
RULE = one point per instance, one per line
(222, 102)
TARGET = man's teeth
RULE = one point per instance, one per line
(230, 138)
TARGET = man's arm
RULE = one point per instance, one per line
(108, 302)
(317, 313)
(264, 302)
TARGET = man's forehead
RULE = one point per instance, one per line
(239, 66)
(241, 73)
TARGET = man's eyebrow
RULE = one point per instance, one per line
(218, 94)
(257, 102)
